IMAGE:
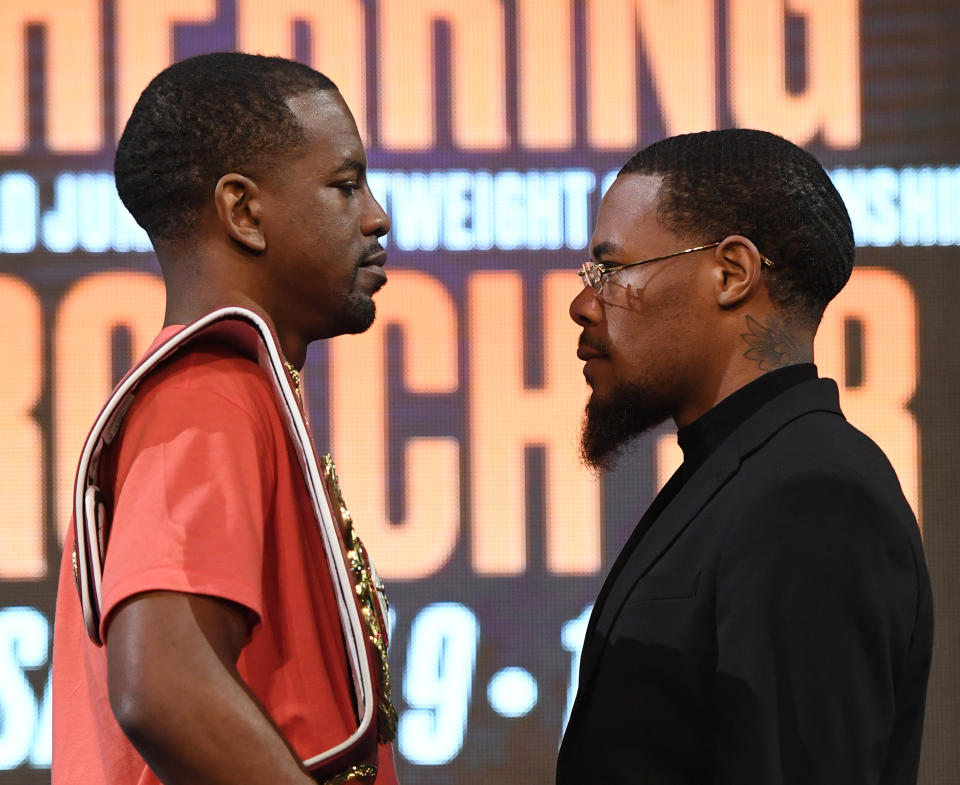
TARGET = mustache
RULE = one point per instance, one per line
(371, 250)
(597, 346)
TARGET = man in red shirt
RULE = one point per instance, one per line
(223, 657)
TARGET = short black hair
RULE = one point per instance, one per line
(199, 119)
(759, 185)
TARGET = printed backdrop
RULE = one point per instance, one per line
(493, 128)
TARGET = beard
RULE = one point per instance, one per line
(610, 423)
(356, 313)
(358, 309)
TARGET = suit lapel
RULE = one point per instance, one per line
(628, 547)
(637, 557)
(640, 553)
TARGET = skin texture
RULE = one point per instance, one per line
(300, 248)
(671, 338)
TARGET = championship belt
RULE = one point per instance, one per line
(361, 599)
(371, 596)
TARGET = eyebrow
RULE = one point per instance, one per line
(352, 163)
(604, 249)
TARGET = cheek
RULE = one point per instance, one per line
(332, 215)
(337, 244)
(629, 345)
(649, 346)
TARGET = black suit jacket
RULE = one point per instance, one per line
(773, 625)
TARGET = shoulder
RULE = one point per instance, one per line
(822, 452)
(203, 376)
(207, 411)
(203, 392)
(819, 484)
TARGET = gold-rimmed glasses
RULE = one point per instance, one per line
(594, 275)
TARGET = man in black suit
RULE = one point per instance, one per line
(769, 621)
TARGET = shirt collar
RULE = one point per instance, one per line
(701, 437)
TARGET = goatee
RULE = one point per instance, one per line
(610, 423)
(357, 313)
(358, 309)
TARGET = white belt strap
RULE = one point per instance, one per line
(90, 513)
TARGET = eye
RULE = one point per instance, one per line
(348, 187)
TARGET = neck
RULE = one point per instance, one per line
(761, 343)
(185, 309)
(769, 343)
(204, 282)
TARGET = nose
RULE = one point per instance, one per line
(375, 221)
(585, 308)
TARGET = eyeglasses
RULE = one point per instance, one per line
(594, 275)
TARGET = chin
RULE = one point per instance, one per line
(357, 314)
(603, 398)
(611, 421)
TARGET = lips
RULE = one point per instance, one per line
(373, 264)
(376, 259)
(587, 350)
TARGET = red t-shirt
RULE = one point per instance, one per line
(208, 498)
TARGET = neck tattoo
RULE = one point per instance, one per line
(771, 345)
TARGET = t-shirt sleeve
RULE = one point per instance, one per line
(816, 605)
(191, 501)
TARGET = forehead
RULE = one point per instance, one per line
(627, 218)
(330, 130)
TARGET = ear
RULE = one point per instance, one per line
(737, 271)
(238, 210)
